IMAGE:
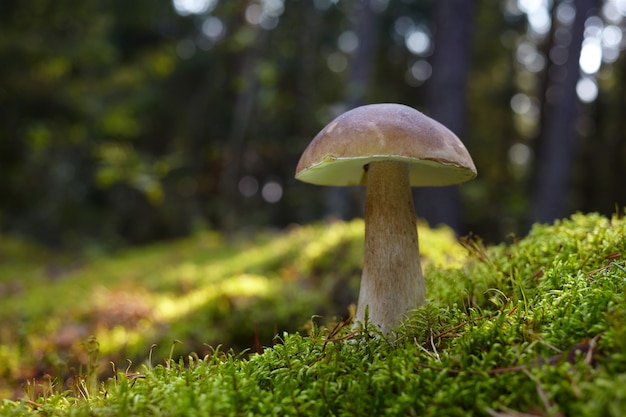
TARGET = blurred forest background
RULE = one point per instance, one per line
(124, 122)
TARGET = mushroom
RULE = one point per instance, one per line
(388, 148)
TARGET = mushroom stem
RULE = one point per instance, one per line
(392, 282)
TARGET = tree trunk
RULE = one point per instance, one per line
(234, 148)
(557, 141)
(446, 100)
(617, 146)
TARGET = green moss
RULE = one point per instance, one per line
(203, 290)
(534, 326)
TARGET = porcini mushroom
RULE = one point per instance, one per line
(388, 148)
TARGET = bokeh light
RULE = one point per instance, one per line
(528, 55)
(248, 186)
(565, 13)
(213, 28)
(348, 42)
(520, 103)
(587, 89)
(421, 70)
(337, 62)
(272, 192)
(417, 41)
(520, 154)
(538, 16)
(188, 7)
(591, 56)
(611, 11)
(265, 14)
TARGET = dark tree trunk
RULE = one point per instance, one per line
(601, 173)
(557, 141)
(446, 100)
(235, 146)
(617, 146)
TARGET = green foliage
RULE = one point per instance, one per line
(535, 326)
(125, 123)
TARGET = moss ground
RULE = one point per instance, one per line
(535, 326)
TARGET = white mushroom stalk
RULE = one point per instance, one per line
(389, 148)
(392, 282)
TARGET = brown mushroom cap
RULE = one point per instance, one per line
(339, 154)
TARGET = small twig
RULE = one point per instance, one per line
(33, 404)
(457, 327)
(508, 413)
(546, 343)
(432, 343)
(336, 329)
(605, 268)
(339, 339)
(553, 360)
(540, 391)
(473, 372)
(593, 343)
(429, 353)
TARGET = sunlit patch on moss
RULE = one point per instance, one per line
(439, 247)
(245, 285)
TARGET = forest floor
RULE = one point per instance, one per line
(254, 325)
